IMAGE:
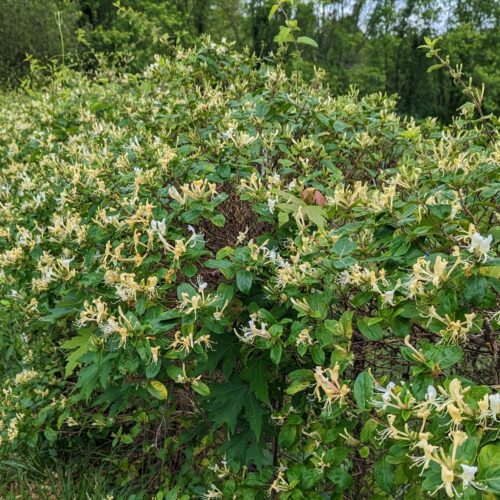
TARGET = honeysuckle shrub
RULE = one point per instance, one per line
(225, 275)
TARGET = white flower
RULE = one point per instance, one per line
(159, 226)
(431, 394)
(250, 332)
(228, 134)
(66, 262)
(201, 284)
(213, 492)
(388, 297)
(468, 475)
(387, 395)
(195, 237)
(48, 274)
(109, 327)
(495, 406)
(271, 203)
(480, 245)
(429, 451)
(25, 376)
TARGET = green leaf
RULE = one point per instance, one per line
(370, 328)
(275, 353)
(489, 467)
(447, 300)
(305, 40)
(368, 433)
(432, 478)
(491, 478)
(87, 379)
(318, 355)
(467, 451)
(491, 271)
(201, 388)
(311, 477)
(58, 313)
(174, 372)
(344, 246)
(364, 452)
(287, 436)
(227, 402)
(319, 303)
(384, 475)
(489, 454)
(224, 354)
(244, 281)
(186, 288)
(444, 356)
(189, 270)
(283, 36)
(157, 390)
(243, 446)
(273, 10)
(218, 264)
(361, 298)
(297, 386)
(218, 220)
(81, 344)
(140, 305)
(475, 290)
(346, 323)
(152, 369)
(283, 218)
(254, 413)
(434, 67)
(341, 478)
(258, 374)
(363, 390)
(315, 214)
(399, 246)
(301, 374)
(344, 263)
(50, 434)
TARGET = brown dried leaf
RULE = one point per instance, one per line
(319, 199)
(307, 195)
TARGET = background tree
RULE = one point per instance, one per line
(31, 27)
(372, 44)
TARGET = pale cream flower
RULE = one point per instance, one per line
(480, 245)
(154, 354)
(327, 381)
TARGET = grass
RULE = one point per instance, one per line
(41, 476)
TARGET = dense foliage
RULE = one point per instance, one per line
(232, 283)
(33, 29)
(368, 43)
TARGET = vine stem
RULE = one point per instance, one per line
(58, 17)
(468, 90)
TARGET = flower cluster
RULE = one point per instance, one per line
(246, 285)
(443, 448)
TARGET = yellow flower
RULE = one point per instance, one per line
(154, 354)
(328, 381)
(447, 476)
(182, 343)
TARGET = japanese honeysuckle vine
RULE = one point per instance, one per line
(250, 285)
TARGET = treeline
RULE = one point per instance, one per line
(372, 44)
